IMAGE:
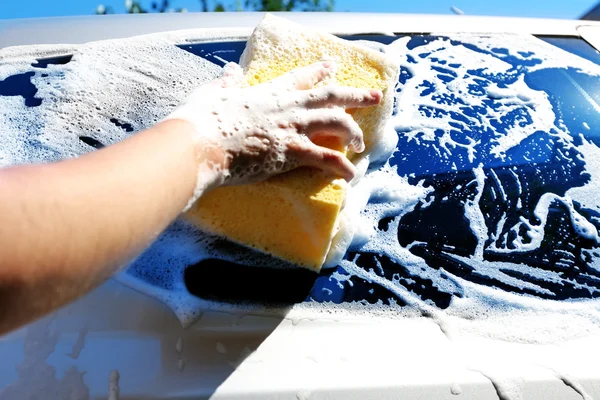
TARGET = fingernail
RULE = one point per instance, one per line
(327, 64)
(358, 147)
(350, 176)
(376, 93)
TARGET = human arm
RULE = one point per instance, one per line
(65, 227)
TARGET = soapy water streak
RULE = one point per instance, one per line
(491, 191)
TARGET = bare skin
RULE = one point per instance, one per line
(68, 226)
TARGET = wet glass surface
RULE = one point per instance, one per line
(542, 163)
(516, 184)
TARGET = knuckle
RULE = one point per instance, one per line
(349, 122)
(333, 158)
(367, 97)
(317, 68)
(333, 93)
(333, 118)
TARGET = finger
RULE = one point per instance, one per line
(341, 96)
(231, 75)
(306, 77)
(330, 161)
(232, 69)
(334, 122)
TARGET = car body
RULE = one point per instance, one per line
(119, 342)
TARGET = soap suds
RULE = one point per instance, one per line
(473, 212)
(455, 389)
(303, 394)
(113, 385)
(37, 376)
(507, 388)
(78, 98)
(576, 386)
(221, 349)
(79, 344)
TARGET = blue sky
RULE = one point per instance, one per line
(526, 8)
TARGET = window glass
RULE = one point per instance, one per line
(520, 195)
(502, 132)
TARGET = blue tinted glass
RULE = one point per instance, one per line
(573, 45)
(219, 53)
(439, 233)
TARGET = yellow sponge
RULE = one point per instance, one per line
(294, 216)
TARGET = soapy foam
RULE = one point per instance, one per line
(573, 384)
(85, 97)
(418, 114)
(78, 99)
(113, 385)
(535, 54)
(507, 388)
(71, 95)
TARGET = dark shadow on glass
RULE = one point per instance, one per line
(214, 279)
(127, 127)
(90, 141)
(44, 62)
(375, 37)
(219, 53)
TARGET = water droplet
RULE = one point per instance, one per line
(221, 349)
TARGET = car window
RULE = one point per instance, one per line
(575, 46)
(509, 190)
(506, 145)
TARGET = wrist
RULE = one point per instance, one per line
(206, 156)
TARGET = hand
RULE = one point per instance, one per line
(248, 134)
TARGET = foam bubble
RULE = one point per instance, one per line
(113, 385)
